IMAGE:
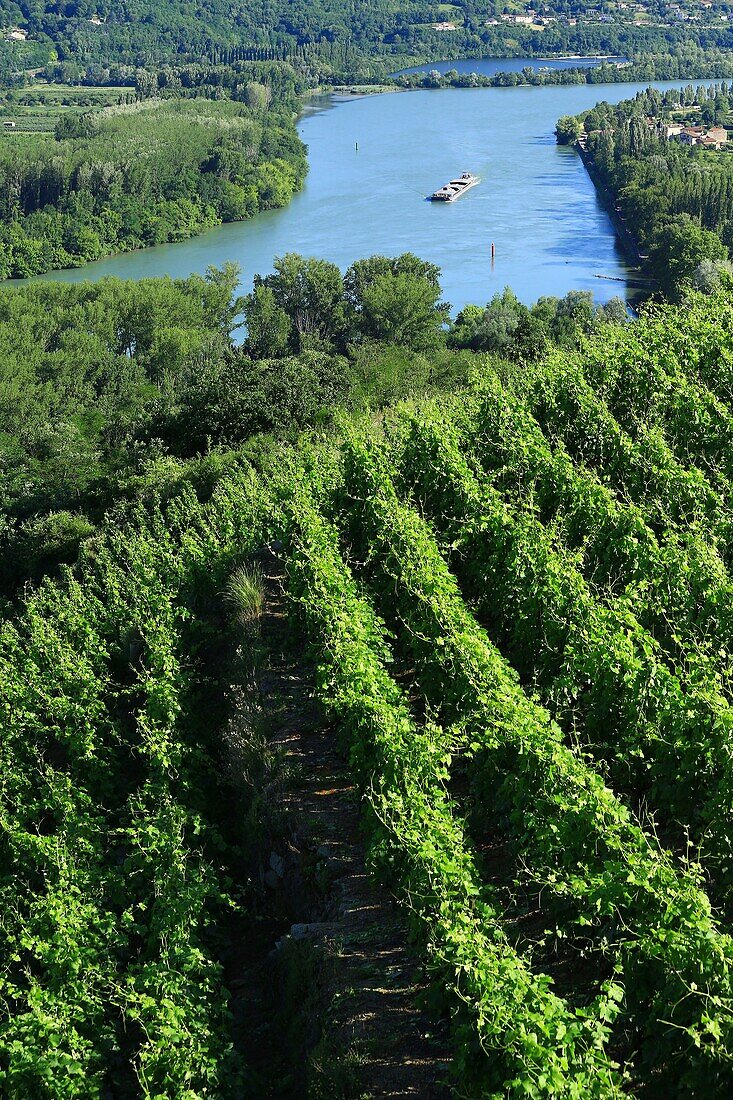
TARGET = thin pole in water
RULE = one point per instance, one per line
(356, 146)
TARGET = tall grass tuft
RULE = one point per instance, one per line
(245, 592)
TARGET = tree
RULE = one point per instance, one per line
(465, 331)
(531, 337)
(710, 275)
(573, 316)
(269, 329)
(402, 309)
(257, 96)
(276, 396)
(493, 328)
(311, 293)
(362, 273)
(679, 248)
(613, 311)
(598, 118)
(568, 129)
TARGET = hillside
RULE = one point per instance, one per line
(510, 605)
(346, 36)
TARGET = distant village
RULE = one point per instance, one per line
(636, 12)
(709, 137)
(714, 137)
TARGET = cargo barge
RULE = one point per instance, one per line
(453, 190)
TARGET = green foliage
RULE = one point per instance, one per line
(573, 837)
(508, 328)
(306, 303)
(660, 735)
(310, 293)
(38, 545)
(674, 198)
(83, 368)
(268, 325)
(519, 602)
(240, 398)
(568, 129)
(400, 309)
(331, 41)
(535, 1044)
(119, 390)
(139, 175)
(112, 864)
(677, 250)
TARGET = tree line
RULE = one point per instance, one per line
(676, 199)
(685, 62)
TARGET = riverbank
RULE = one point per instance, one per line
(95, 249)
(488, 72)
(483, 73)
(493, 66)
(679, 145)
(359, 89)
(627, 240)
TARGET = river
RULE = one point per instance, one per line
(535, 201)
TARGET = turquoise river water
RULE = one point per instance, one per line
(535, 201)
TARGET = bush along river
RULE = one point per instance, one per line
(373, 161)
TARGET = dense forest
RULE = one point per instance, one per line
(139, 175)
(493, 556)
(676, 199)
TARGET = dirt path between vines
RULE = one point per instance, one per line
(372, 983)
(361, 1015)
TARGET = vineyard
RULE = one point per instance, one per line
(517, 601)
